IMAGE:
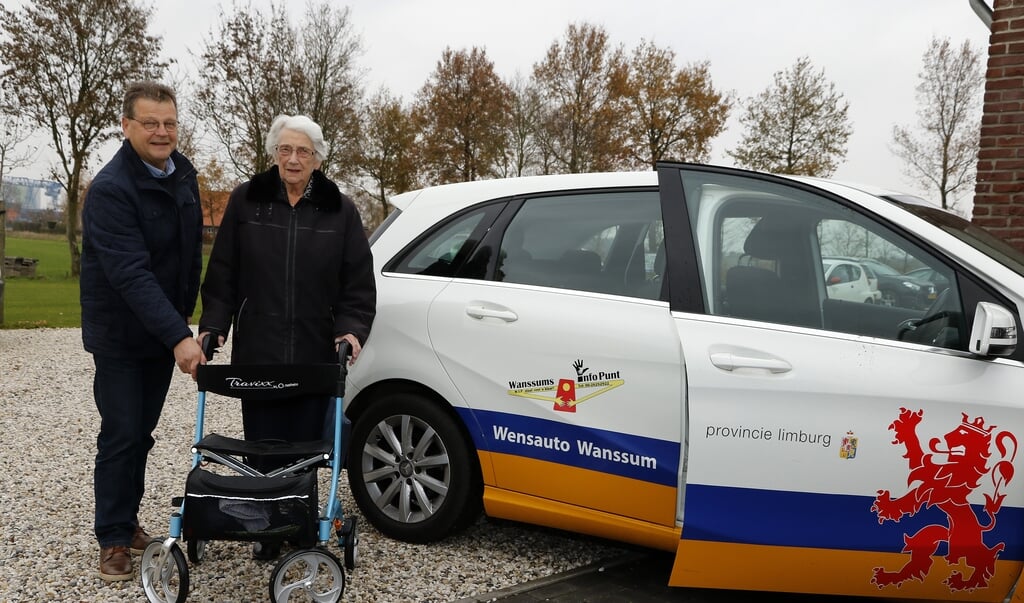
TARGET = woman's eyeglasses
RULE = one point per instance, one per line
(284, 151)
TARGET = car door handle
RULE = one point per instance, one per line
(730, 361)
(486, 312)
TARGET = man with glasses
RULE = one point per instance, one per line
(141, 260)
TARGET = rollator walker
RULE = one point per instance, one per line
(239, 503)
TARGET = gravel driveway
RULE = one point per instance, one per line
(48, 426)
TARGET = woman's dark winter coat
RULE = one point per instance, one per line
(288, 280)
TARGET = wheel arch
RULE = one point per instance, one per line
(469, 503)
(366, 397)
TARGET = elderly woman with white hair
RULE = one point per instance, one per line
(290, 275)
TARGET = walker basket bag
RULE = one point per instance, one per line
(238, 507)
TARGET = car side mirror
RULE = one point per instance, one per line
(994, 332)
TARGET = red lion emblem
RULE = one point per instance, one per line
(946, 485)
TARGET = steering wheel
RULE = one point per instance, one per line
(931, 325)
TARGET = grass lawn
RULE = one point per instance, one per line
(50, 299)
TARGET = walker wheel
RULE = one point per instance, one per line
(314, 572)
(349, 534)
(196, 550)
(164, 573)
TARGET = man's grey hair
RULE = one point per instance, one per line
(154, 91)
(297, 123)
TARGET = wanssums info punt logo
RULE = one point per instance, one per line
(566, 393)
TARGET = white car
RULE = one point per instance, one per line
(848, 281)
(654, 358)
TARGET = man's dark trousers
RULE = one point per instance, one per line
(130, 394)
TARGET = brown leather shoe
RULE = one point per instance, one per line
(115, 563)
(140, 540)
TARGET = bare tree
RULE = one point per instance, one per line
(69, 63)
(387, 151)
(190, 138)
(256, 66)
(579, 127)
(942, 153)
(461, 113)
(247, 66)
(331, 92)
(522, 153)
(14, 153)
(799, 125)
(668, 112)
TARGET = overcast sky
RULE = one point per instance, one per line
(870, 49)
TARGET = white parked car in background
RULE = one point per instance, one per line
(848, 281)
(656, 358)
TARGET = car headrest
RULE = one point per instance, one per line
(581, 260)
(771, 239)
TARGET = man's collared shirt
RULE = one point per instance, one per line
(158, 173)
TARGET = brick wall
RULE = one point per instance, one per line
(999, 194)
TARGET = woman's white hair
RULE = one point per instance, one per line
(297, 123)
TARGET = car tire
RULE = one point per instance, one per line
(889, 298)
(424, 492)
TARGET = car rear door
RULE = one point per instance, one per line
(830, 447)
(568, 361)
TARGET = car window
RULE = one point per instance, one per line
(601, 242)
(770, 252)
(972, 234)
(841, 275)
(445, 247)
(377, 232)
(882, 268)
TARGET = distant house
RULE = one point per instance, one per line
(214, 203)
(13, 213)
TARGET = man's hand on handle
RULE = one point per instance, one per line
(188, 355)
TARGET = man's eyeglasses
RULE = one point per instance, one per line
(284, 151)
(151, 125)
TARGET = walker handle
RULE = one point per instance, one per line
(344, 351)
(210, 344)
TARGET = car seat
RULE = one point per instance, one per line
(785, 294)
(581, 269)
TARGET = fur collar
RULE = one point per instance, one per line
(267, 186)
